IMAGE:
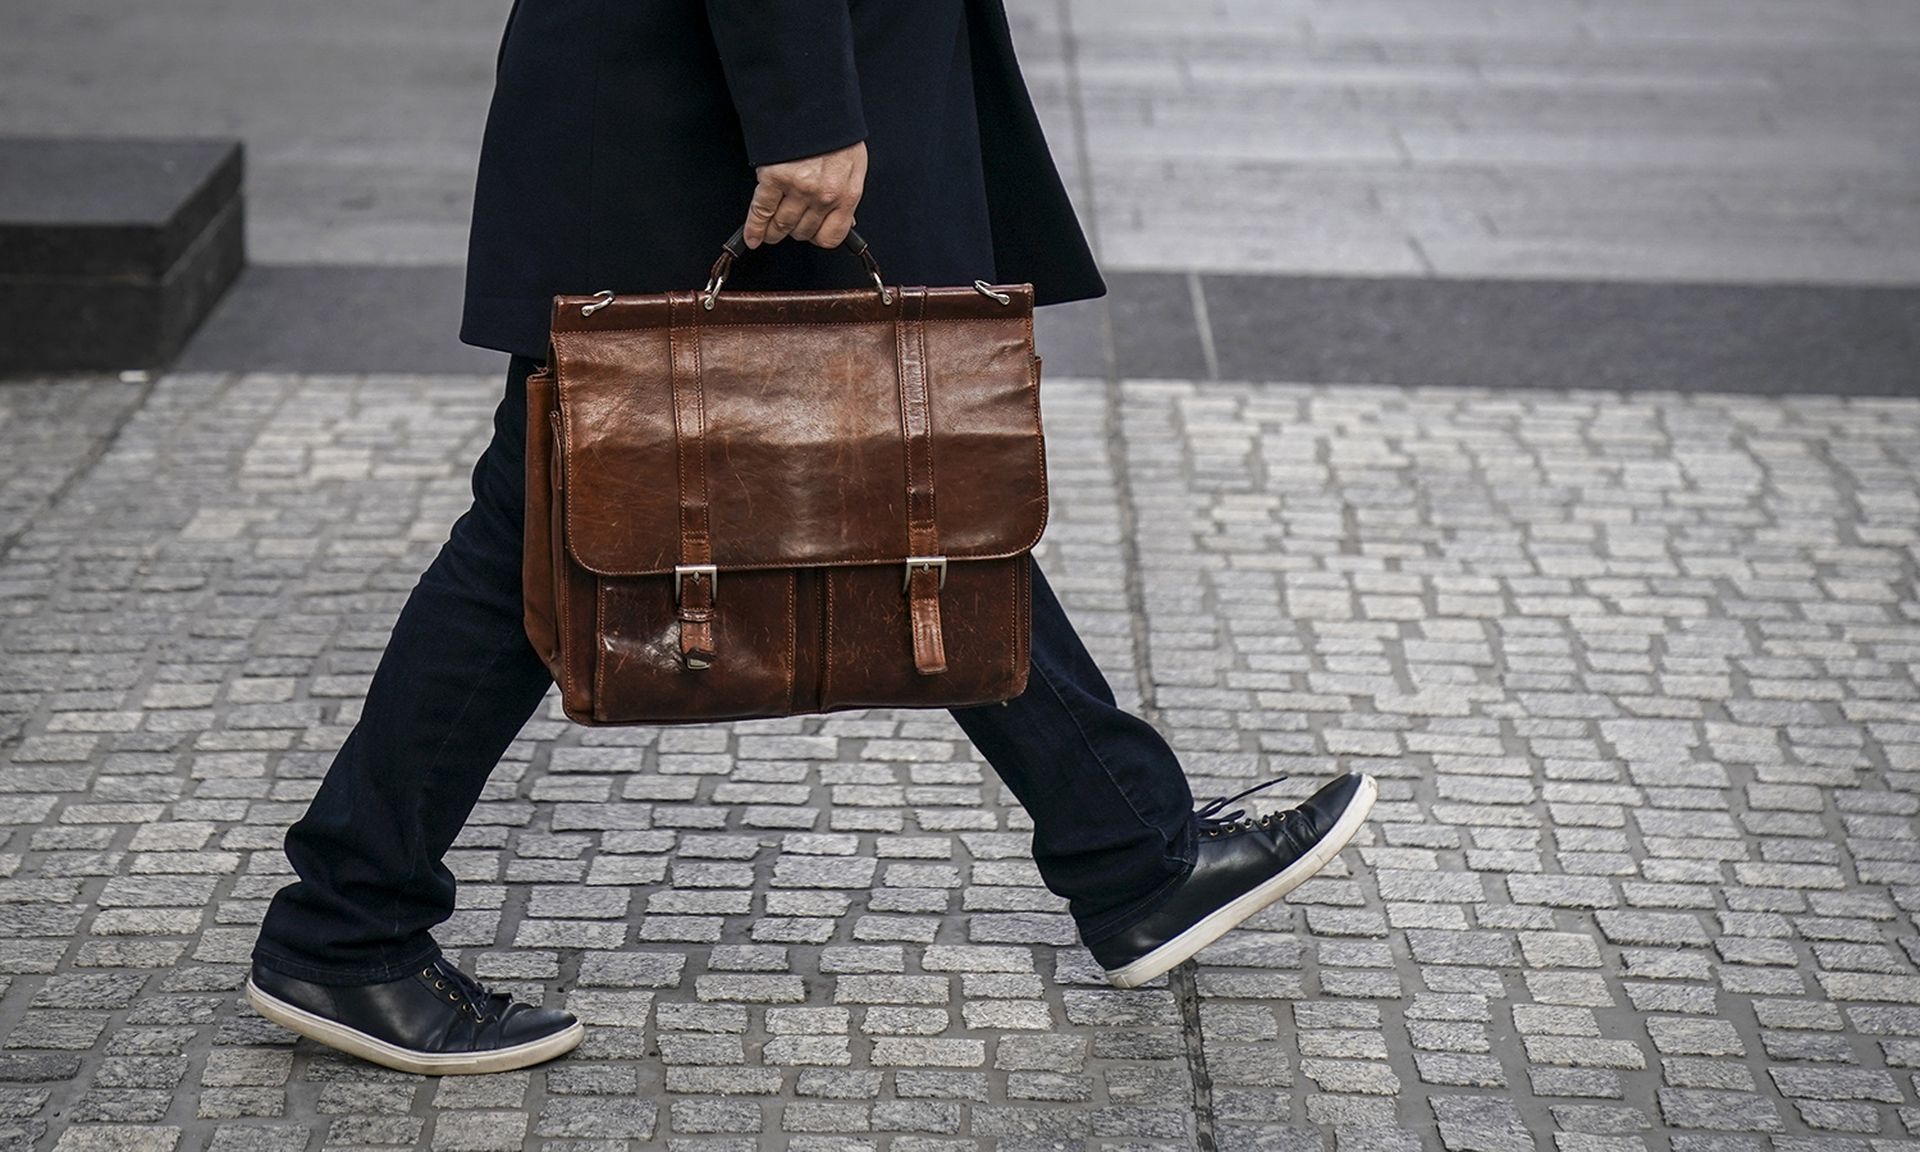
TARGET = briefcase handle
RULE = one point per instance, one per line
(736, 247)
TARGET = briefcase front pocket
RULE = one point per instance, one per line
(868, 641)
(640, 677)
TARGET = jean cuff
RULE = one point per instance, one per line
(1180, 856)
(267, 956)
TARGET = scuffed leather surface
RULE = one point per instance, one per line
(804, 460)
(639, 676)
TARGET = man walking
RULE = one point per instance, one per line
(624, 142)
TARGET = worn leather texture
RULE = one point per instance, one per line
(804, 445)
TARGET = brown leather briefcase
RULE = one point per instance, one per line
(745, 504)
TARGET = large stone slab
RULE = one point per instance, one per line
(1765, 339)
(113, 250)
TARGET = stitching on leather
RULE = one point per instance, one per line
(1040, 434)
(1026, 631)
(562, 588)
(600, 649)
(926, 401)
(700, 407)
(793, 630)
(674, 338)
(1012, 638)
(826, 660)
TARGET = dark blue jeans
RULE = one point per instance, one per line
(1110, 806)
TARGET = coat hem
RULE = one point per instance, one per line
(516, 325)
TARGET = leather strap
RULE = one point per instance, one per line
(923, 537)
(696, 592)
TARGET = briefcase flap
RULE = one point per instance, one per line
(799, 418)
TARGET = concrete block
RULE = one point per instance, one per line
(112, 251)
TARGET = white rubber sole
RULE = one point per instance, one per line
(357, 1043)
(1228, 916)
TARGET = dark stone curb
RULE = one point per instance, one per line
(1756, 339)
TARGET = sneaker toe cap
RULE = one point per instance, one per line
(524, 1023)
(1325, 807)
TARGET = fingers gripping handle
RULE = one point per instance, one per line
(736, 247)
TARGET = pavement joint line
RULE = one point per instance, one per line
(100, 448)
(1187, 995)
(1077, 114)
(1187, 998)
(1203, 323)
(1186, 990)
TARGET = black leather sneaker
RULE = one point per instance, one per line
(1243, 864)
(436, 1020)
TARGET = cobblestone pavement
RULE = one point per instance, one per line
(1637, 673)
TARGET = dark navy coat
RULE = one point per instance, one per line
(621, 142)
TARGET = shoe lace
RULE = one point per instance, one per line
(462, 989)
(1214, 820)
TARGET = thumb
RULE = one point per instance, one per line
(766, 198)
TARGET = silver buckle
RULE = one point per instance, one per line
(682, 571)
(930, 563)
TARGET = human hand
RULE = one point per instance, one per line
(810, 199)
